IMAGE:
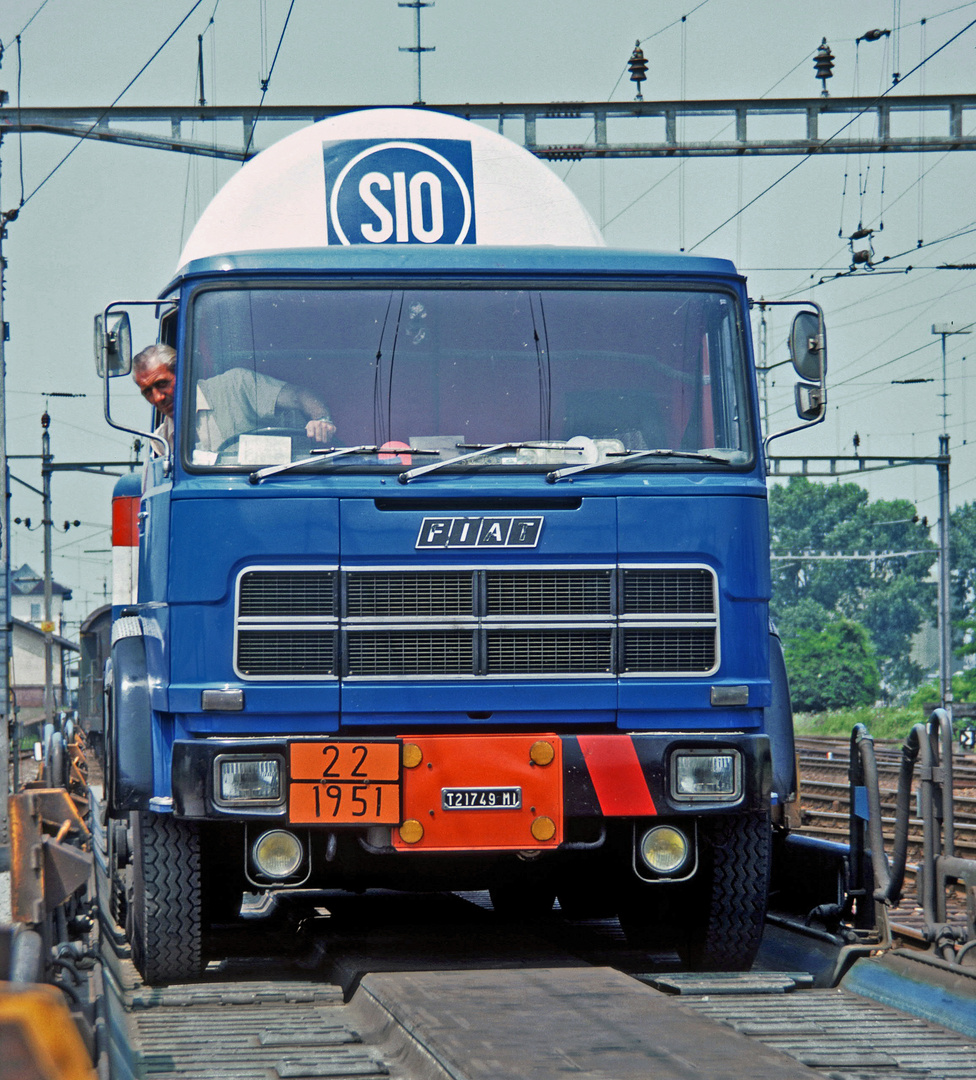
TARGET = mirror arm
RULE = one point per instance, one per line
(106, 377)
(819, 419)
(821, 383)
(152, 438)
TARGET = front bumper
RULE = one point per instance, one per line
(471, 792)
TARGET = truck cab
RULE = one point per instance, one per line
(497, 617)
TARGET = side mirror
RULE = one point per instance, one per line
(808, 346)
(810, 400)
(113, 344)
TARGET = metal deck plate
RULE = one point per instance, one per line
(543, 1024)
(844, 1036)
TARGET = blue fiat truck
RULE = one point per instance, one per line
(507, 629)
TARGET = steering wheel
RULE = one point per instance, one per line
(289, 432)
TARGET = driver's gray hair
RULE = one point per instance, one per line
(154, 355)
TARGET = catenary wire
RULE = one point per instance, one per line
(842, 128)
(265, 83)
(127, 87)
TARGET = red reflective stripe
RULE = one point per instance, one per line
(617, 775)
(125, 521)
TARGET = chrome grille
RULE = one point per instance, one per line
(549, 652)
(668, 591)
(555, 622)
(298, 653)
(398, 595)
(668, 649)
(286, 594)
(555, 592)
(409, 652)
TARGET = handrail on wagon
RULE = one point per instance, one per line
(873, 878)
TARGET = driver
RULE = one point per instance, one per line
(228, 404)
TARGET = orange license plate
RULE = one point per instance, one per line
(344, 783)
(481, 792)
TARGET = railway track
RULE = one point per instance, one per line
(825, 790)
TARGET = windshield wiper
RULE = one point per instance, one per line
(478, 450)
(625, 457)
(326, 455)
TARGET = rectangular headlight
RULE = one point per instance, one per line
(706, 774)
(248, 779)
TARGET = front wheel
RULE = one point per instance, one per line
(164, 909)
(728, 912)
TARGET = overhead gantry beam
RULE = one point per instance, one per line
(640, 129)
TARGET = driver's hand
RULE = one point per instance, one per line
(320, 431)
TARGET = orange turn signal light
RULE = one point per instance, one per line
(412, 755)
(543, 828)
(411, 831)
(542, 753)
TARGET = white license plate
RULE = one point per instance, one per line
(481, 798)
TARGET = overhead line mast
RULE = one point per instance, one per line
(419, 49)
(810, 114)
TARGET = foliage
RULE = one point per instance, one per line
(963, 689)
(833, 669)
(805, 614)
(967, 631)
(891, 597)
(962, 560)
(884, 722)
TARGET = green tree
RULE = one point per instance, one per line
(833, 669)
(834, 555)
(962, 577)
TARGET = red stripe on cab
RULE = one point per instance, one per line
(617, 775)
(125, 521)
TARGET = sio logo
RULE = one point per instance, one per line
(396, 191)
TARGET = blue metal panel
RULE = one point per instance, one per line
(935, 993)
(154, 531)
(289, 718)
(216, 536)
(676, 714)
(201, 649)
(162, 748)
(318, 701)
(710, 525)
(374, 536)
(508, 701)
(155, 619)
(550, 262)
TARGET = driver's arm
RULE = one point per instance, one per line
(319, 427)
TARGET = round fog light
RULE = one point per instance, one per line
(664, 849)
(277, 854)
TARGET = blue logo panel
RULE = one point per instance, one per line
(400, 191)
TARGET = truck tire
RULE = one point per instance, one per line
(164, 910)
(729, 910)
(117, 860)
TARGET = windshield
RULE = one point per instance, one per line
(544, 377)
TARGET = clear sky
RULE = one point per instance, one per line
(110, 223)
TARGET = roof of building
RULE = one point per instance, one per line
(26, 581)
(32, 628)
